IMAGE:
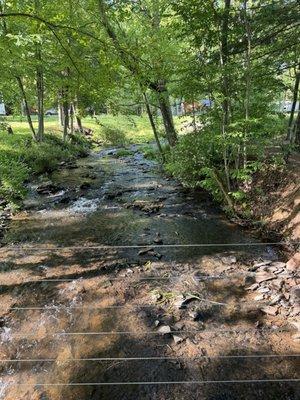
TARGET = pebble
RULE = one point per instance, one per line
(164, 329)
(270, 310)
(177, 339)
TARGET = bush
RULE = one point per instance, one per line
(113, 136)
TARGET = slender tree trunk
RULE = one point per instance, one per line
(222, 189)
(40, 97)
(79, 124)
(71, 118)
(225, 85)
(66, 119)
(292, 114)
(39, 80)
(248, 82)
(20, 83)
(150, 116)
(166, 112)
(26, 107)
(297, 128)
(60, 113)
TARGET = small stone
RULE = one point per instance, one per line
(194, 315)
(164, 329)
(263, 277)
(277, 284)
(279, 271)
(261, 263)
(270, 310)
(253, 287)
(229, 260)
(177, 339)
(263, 290)
(156, 323)
(85, 185)
(259, 297)
(145, 251)
(294, 263)
(275, 299)
(179, 326)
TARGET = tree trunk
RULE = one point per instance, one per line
(225, 85)
(20, 83)
(150, 116)
(295, 99)
(220, 184)
(60, 115)
(39, 80)
(297, 128)
(166, 113)
(40, 97)
(66, 119)
(71, 119)
(26, 107)
(248, 82)
(79, 124)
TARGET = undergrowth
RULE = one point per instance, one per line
(21, 158)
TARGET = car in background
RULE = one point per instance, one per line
(51, 111)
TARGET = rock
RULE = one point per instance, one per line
(157, 296)
(145, 206)
(270, 310)
(259, 297)
(263, 290)
(295, 311)
(263, 277)
(145, 251)
(182, 302)
(179, 326)
(64, 200)
(71, 166)
(277, 284)
(85, 185)
(253, 287)
(278, 264)
(275, 299)
(177, 339)
(262, 263)
(279, 271)
(48, 188)
(158, 239)
(164, 329)
(156, 323)
(229, 260)
(294, 263)
(193, 315)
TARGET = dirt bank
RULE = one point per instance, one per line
(275, 200)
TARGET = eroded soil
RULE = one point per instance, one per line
(74, 311)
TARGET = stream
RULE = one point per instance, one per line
(111, 259)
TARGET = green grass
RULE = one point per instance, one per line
(120, 129)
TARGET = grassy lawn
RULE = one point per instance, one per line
(108, 129)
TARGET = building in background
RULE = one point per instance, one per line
(2, 108)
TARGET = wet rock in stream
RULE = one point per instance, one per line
(48, 188)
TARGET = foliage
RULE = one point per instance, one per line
(21, 157)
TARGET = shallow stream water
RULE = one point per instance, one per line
(78, 261)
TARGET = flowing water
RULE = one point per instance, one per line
(86, 275)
